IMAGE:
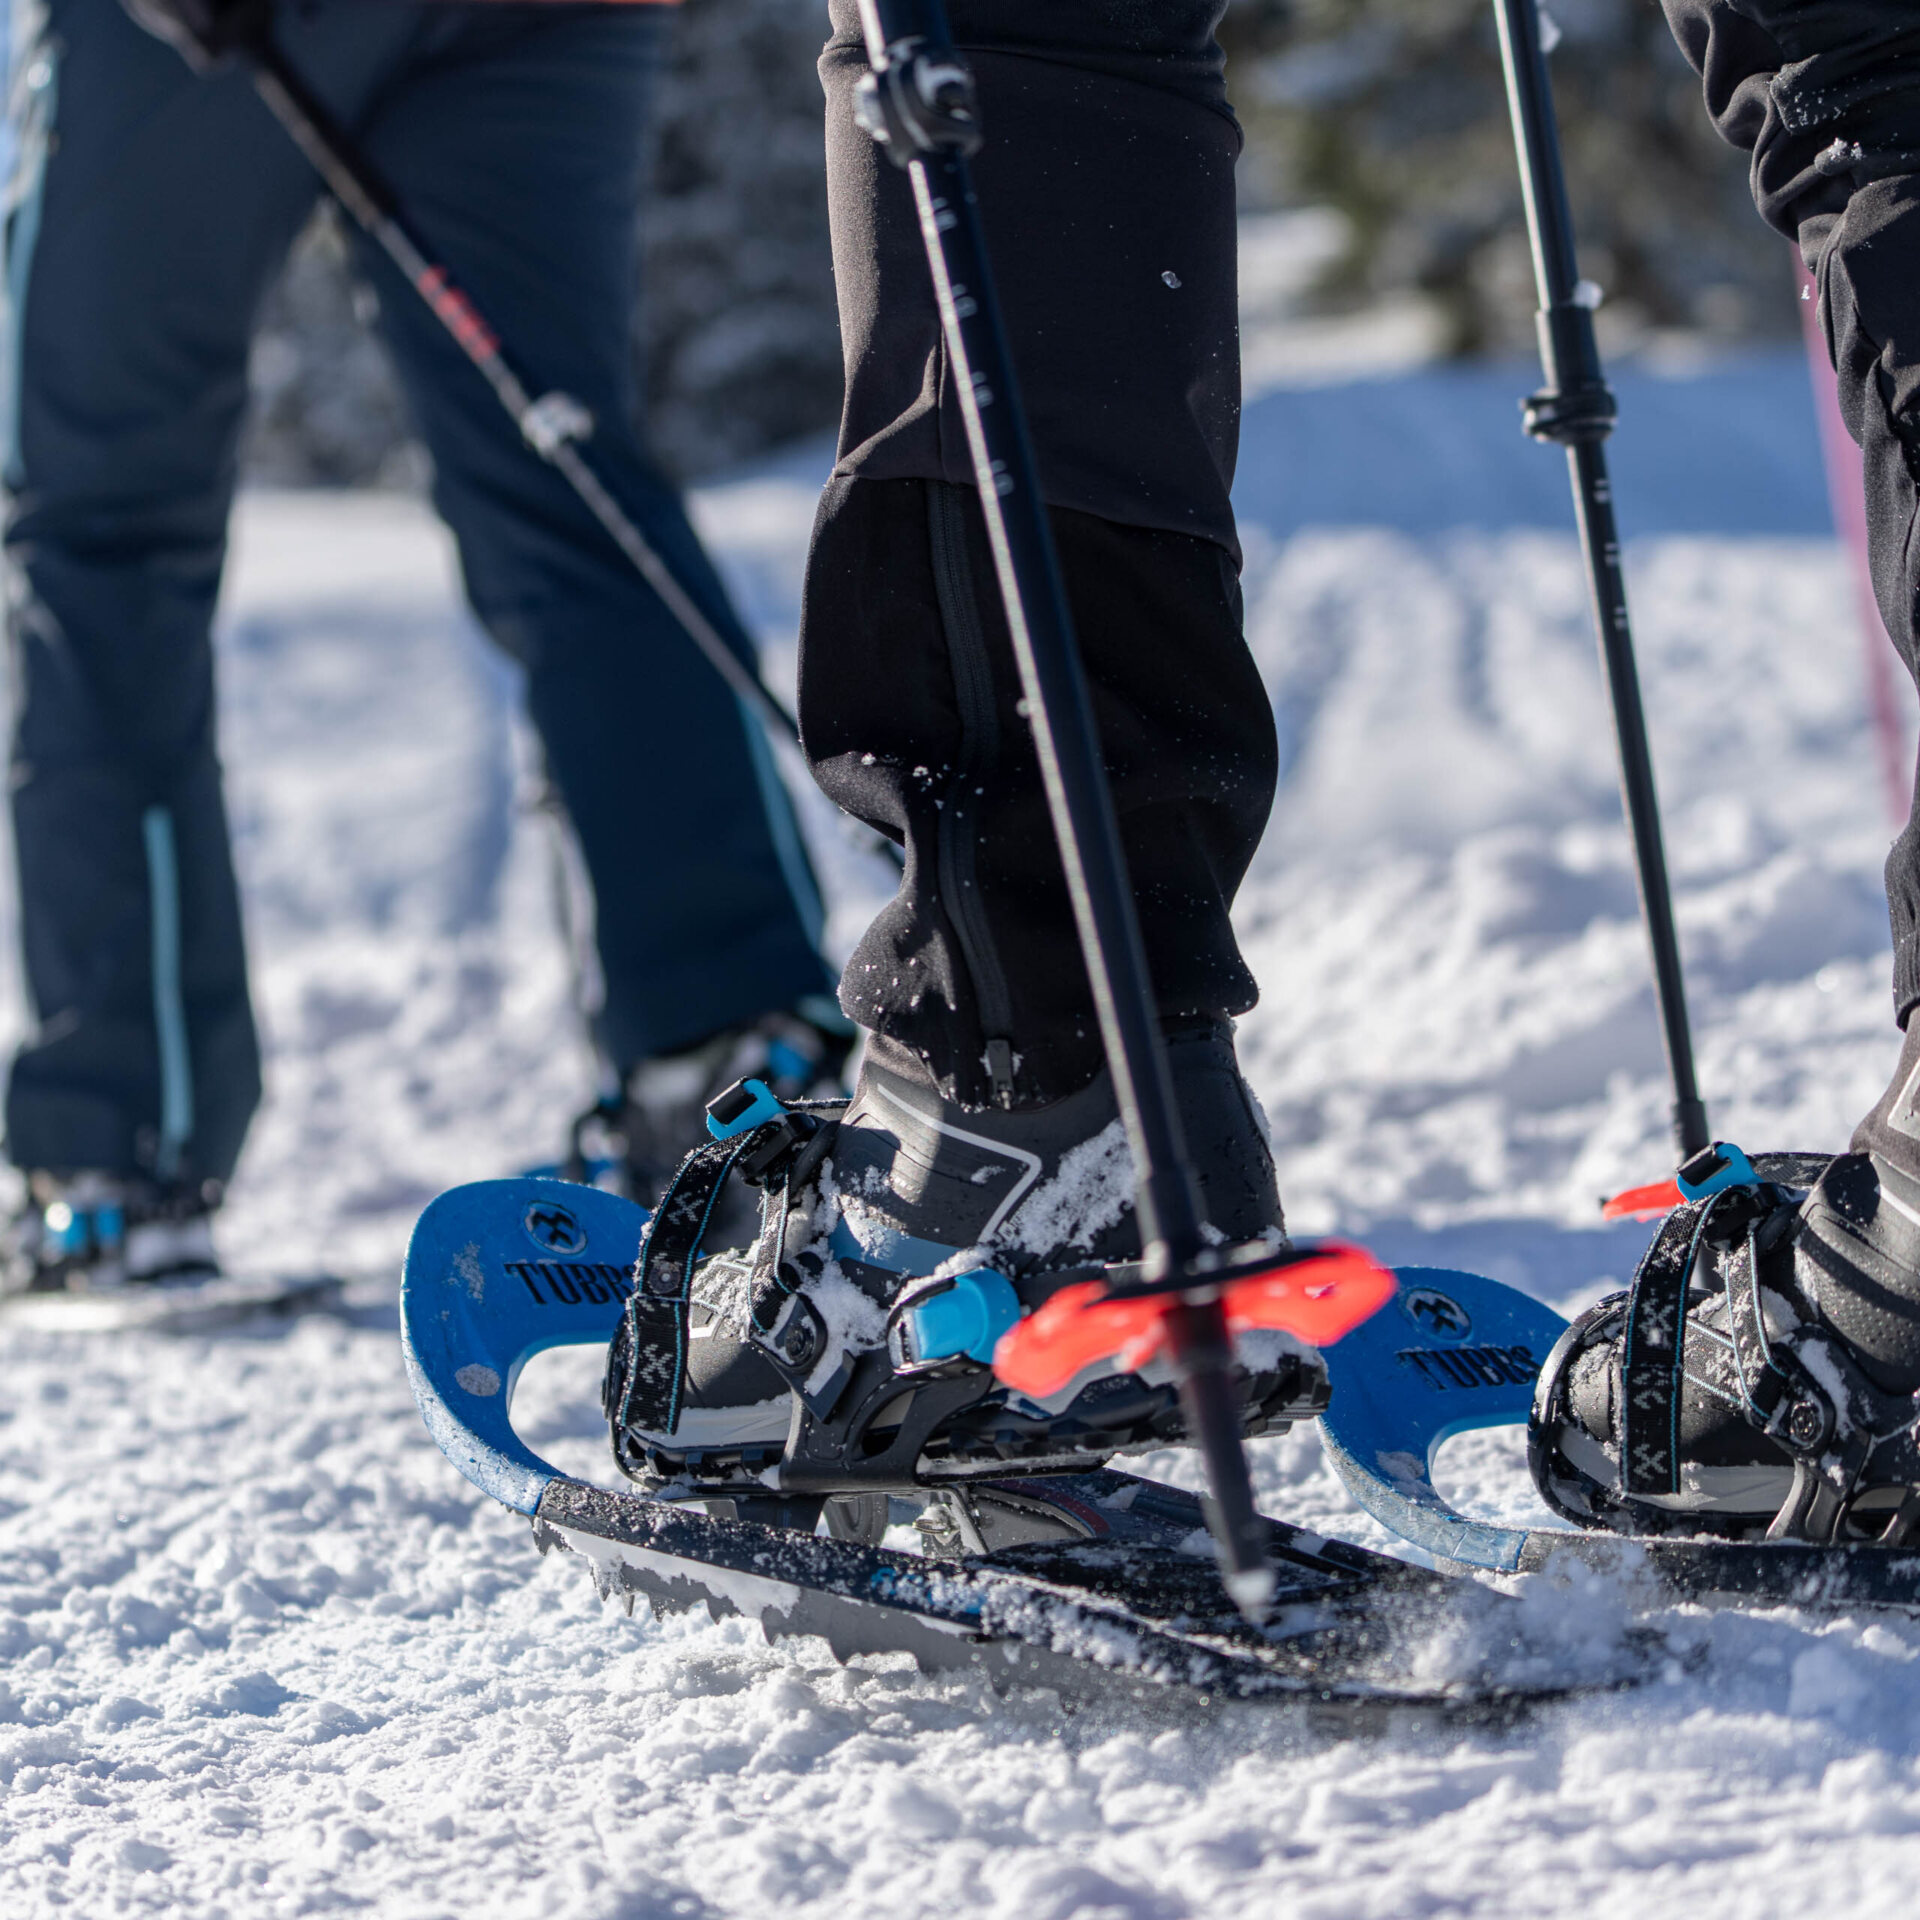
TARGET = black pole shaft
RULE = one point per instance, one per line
(544, 424)
(1577, 410)
(1059, 705)
(1073, 769)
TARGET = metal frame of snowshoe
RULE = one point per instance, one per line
(502, 1270)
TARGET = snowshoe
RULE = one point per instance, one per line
(1736, 1424)
(1084, 1582)
(90, 1231)
(1759, 1379)
(94, 1253)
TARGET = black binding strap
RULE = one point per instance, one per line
(655, 1330)
(647, 1366)
(1782, 1400)
(1653, 1353)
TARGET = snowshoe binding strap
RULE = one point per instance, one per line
(1654, 1355)
(761, 1140)
(648, 1360)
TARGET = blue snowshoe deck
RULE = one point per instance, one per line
(503, 1270)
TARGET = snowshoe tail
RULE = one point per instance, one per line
(1454, 1352)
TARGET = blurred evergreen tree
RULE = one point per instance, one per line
(737, 319)
(1393, 111)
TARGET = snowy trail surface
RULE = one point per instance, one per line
(262, 1653)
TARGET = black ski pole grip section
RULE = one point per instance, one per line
(1576, 410)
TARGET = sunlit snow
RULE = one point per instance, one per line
(262, 1651)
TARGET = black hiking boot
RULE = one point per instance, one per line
(631, 1141)
(1788, 1405)
(849, 1345)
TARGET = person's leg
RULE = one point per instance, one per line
(1122, 327)
(515, 139)
(1825, 94)
(984, 1118)
(150, 209)
(912, 716)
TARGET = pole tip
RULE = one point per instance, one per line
(1251, 1589)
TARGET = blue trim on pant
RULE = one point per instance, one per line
(169, 1006)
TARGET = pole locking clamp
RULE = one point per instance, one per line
(554, 421)
(919, 104)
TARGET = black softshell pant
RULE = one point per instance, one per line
(1825, 95)
(1106, 189)
(149, 212)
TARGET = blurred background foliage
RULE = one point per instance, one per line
(1387, 116)
(1393, 113)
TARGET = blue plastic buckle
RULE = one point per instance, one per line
(742, 1108)
(63, 1230)
(1714, 1169)
(968, 1317)
(67, 1231)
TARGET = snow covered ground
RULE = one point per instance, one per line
(263, 1653)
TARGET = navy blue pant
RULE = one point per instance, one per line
(151, 212)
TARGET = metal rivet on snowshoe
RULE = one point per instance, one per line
(798, 1341)
(1805, 1424)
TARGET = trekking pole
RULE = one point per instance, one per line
(1576, 410)
(919, 103)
